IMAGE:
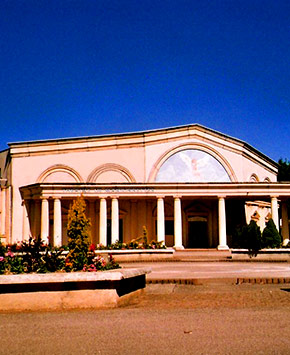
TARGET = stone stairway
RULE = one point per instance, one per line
(202, 255)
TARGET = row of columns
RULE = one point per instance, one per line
(57, 220)
(160, 222)
(114, 221)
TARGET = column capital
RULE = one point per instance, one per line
(43, 198)
(274, 196)
(103, 197)
(160, 197)
(222, 196)
(56, 197)
(177, 197)
(114, 197)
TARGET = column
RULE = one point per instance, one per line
(274, 210)
(57, 222)
(44, 230)
(25, 221)
(103, 222)
(160, 220)
(285, 223)
(2, 220)
(177, 224)
(222, 224)
(115, 220)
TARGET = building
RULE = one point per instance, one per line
(189, 185)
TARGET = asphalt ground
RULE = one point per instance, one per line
(167, 319)
(215, 316)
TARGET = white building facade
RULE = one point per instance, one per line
(190, 186)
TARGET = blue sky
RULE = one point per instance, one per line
(89, 67)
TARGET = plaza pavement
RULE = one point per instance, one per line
(207, 272)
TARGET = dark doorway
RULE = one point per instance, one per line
(197, 233)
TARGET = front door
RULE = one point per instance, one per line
(197, 232)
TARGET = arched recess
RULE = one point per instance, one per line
(194, 146)
(254, 178)
(267, 179)
(59, 173)
(111, 173)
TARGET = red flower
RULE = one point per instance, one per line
(92, 247)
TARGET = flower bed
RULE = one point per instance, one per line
(34, 256)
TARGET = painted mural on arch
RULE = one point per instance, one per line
(192, 165)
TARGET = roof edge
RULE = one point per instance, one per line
(145, 133)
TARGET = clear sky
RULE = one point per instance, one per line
(89, 67)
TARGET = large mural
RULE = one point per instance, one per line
(192, 165)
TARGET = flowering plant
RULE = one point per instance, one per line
(36, 256)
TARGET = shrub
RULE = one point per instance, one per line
(32, 254)
(254, 237)
(78, 231)
(248, 237)
(271, 237)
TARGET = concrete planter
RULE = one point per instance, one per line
(263, 255)
(64, 291)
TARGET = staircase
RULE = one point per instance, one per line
(202, 255)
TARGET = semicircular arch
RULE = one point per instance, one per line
(192, 146)
(111, 167)
(60, 169)
(254, 178)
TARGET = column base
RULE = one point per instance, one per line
(178, 247)
(285, 242)
(223, 247)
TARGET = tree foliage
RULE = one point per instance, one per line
(248, 237)
(271, 237)
(283, 170)
(78, 231)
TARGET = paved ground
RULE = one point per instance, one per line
(214, 318)
(168, 319)
(214, 271)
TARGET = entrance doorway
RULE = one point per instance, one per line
(197, 232)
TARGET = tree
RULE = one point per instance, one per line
(254, 237)
(271, 237)
(248, 237)
(283, 170)
(78, 231)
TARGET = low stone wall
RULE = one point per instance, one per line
(131, 255)
(66, 291)
(262, 255)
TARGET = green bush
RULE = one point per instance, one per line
(78, 231)
(248, 237)
(271, 237)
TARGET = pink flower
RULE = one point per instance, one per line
(10, 254)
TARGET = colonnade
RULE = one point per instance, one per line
(57, 220)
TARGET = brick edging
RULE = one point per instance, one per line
(233, 281)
